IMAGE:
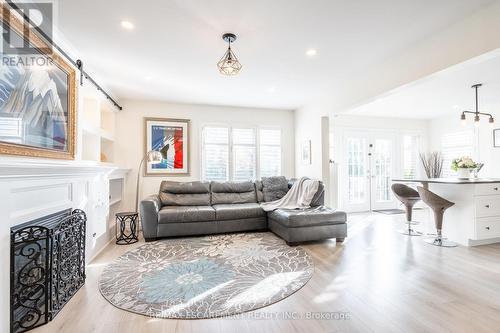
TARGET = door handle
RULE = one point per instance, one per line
(495, 188)
(487, 228)
(487, 206)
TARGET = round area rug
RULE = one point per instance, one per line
(205, 277)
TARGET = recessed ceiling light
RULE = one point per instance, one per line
(127, 25)
(148, 78)
(311, 52)
(271, 90)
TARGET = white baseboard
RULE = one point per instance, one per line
(100, 250)
(472, 242)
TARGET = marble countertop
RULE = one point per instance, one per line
(449, 180)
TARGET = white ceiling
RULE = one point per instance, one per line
(171, 54)
(444, 93)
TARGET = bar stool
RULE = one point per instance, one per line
(439, 205)
(408, 197)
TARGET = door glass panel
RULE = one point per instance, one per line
(383, 163)
(356, 170)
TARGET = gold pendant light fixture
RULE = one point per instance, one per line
(476, 113)
(229, 64)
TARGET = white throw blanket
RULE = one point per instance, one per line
(299, 196)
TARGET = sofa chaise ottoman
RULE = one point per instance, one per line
(315, 223)
(202, 208)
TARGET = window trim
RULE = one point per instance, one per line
(230, 128)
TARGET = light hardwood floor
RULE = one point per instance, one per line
(384, 281)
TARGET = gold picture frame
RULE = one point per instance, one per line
(9, 148)
(151, 137)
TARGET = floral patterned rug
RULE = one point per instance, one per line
(205, 277)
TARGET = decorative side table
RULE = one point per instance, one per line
(124, 238)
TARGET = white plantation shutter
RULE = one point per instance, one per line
(231, 153)
(215, 153)
(244, 154)
(270, 152)
(410, 156)
(455, 145)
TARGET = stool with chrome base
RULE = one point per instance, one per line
(438, 205)
(409, 197)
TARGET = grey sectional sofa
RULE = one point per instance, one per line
(200, 208)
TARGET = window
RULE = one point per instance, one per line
(240, 154)
(455, 145)
(270, 152)
(11, 130)
(410, 156)
(244, 154)
(215, 158)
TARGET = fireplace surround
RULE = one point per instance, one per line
(35, 188)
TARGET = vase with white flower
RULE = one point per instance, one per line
(463, 166)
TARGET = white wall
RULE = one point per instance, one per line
(466, 39)
(485, 152)
(473, 36)
(129, 136)
(308, 127)
(342, 121)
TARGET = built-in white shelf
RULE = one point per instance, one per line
(116, 189)
(98, 127)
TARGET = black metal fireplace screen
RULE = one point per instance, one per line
(47, 267)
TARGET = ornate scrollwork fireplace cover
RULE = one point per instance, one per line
(47, 267)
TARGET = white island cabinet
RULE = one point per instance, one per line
(475, 217)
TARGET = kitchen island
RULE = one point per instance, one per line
(475, 217)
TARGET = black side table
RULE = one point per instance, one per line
(122, 218)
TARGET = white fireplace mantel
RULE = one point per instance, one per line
(32, 188)
(12, 167)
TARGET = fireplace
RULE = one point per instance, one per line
(47, 267)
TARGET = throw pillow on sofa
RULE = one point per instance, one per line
(274, 188)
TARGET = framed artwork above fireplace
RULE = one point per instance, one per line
(38, 96)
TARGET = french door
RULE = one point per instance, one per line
(369, 166)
